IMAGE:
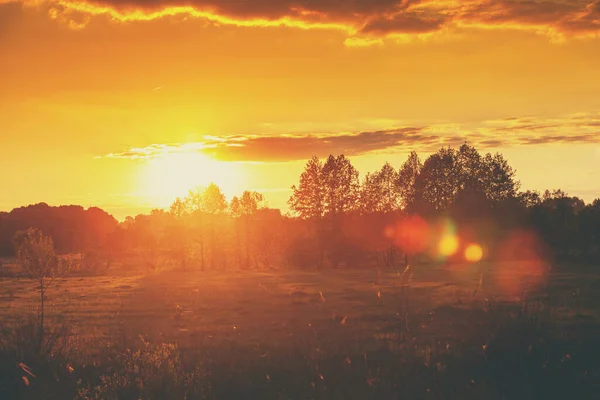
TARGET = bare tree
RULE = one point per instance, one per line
(35, 255)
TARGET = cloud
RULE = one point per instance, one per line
(371, 19)
(575, 128)
(514, 131)
(358, 41)
(274, 148)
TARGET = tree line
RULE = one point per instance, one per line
(72, 228)
(336, 219)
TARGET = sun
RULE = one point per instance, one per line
(172, 175)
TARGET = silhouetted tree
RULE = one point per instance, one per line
(214, 204)
(381, 198)
(235, 210)
(197, 209)
(499, 178)
(438, 182)
(308, 198)
(341, 185)
(72, 228)
(407, 177)
(35, 255)
(248, 206)
(380, 191)
(176, 233)
(269, 234)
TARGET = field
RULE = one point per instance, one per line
(434, 331)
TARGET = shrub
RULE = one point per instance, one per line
(152, 372)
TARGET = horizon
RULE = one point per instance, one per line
(283, 206)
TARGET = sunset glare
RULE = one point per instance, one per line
(173, 175)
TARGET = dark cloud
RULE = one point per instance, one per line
(10, 14)
(513, 132)
(371, 18)
(526, 12)
(403, 23)
(590, 138)
(530, 127)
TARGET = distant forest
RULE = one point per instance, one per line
(337, 219)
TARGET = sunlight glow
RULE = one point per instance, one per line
(173, 175)
(448, 245)
(473, 253)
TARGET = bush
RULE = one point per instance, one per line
(152, 372)
(28, 370)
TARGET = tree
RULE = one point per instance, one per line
(196, 207)
(269, 236)
(500, 178)
(235, 211)
(178, 209)
(438, 182)
(248, 207)
(213, 200)
(35, 255)
(214, 204)
(369, 192)
(471, 170)
(341, 185)
(407, 177)
(559, 221)
(177, 232)
(380, 196)
(380, 191)
(308, 198)
(530, 198)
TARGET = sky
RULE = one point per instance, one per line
(126, 104)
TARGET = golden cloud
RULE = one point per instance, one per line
(364, 21)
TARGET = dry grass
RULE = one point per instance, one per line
(266, 329)
(270, 306)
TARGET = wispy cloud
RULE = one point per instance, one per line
(366, 19)
(571, 129)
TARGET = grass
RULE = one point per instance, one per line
(333, 333)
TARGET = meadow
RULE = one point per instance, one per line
(481, 330)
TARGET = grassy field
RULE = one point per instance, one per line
(460, 331)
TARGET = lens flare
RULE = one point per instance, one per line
(448, 245)
(389, 232)
(521, 262)
(473, 252)
(412, 234)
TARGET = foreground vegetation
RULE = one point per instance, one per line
(434, 331)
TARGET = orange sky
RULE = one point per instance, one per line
(112, 103)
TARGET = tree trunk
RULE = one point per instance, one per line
(212, 242)
(202, 253)
(238, 244)
(41, 327)
(247, 242)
